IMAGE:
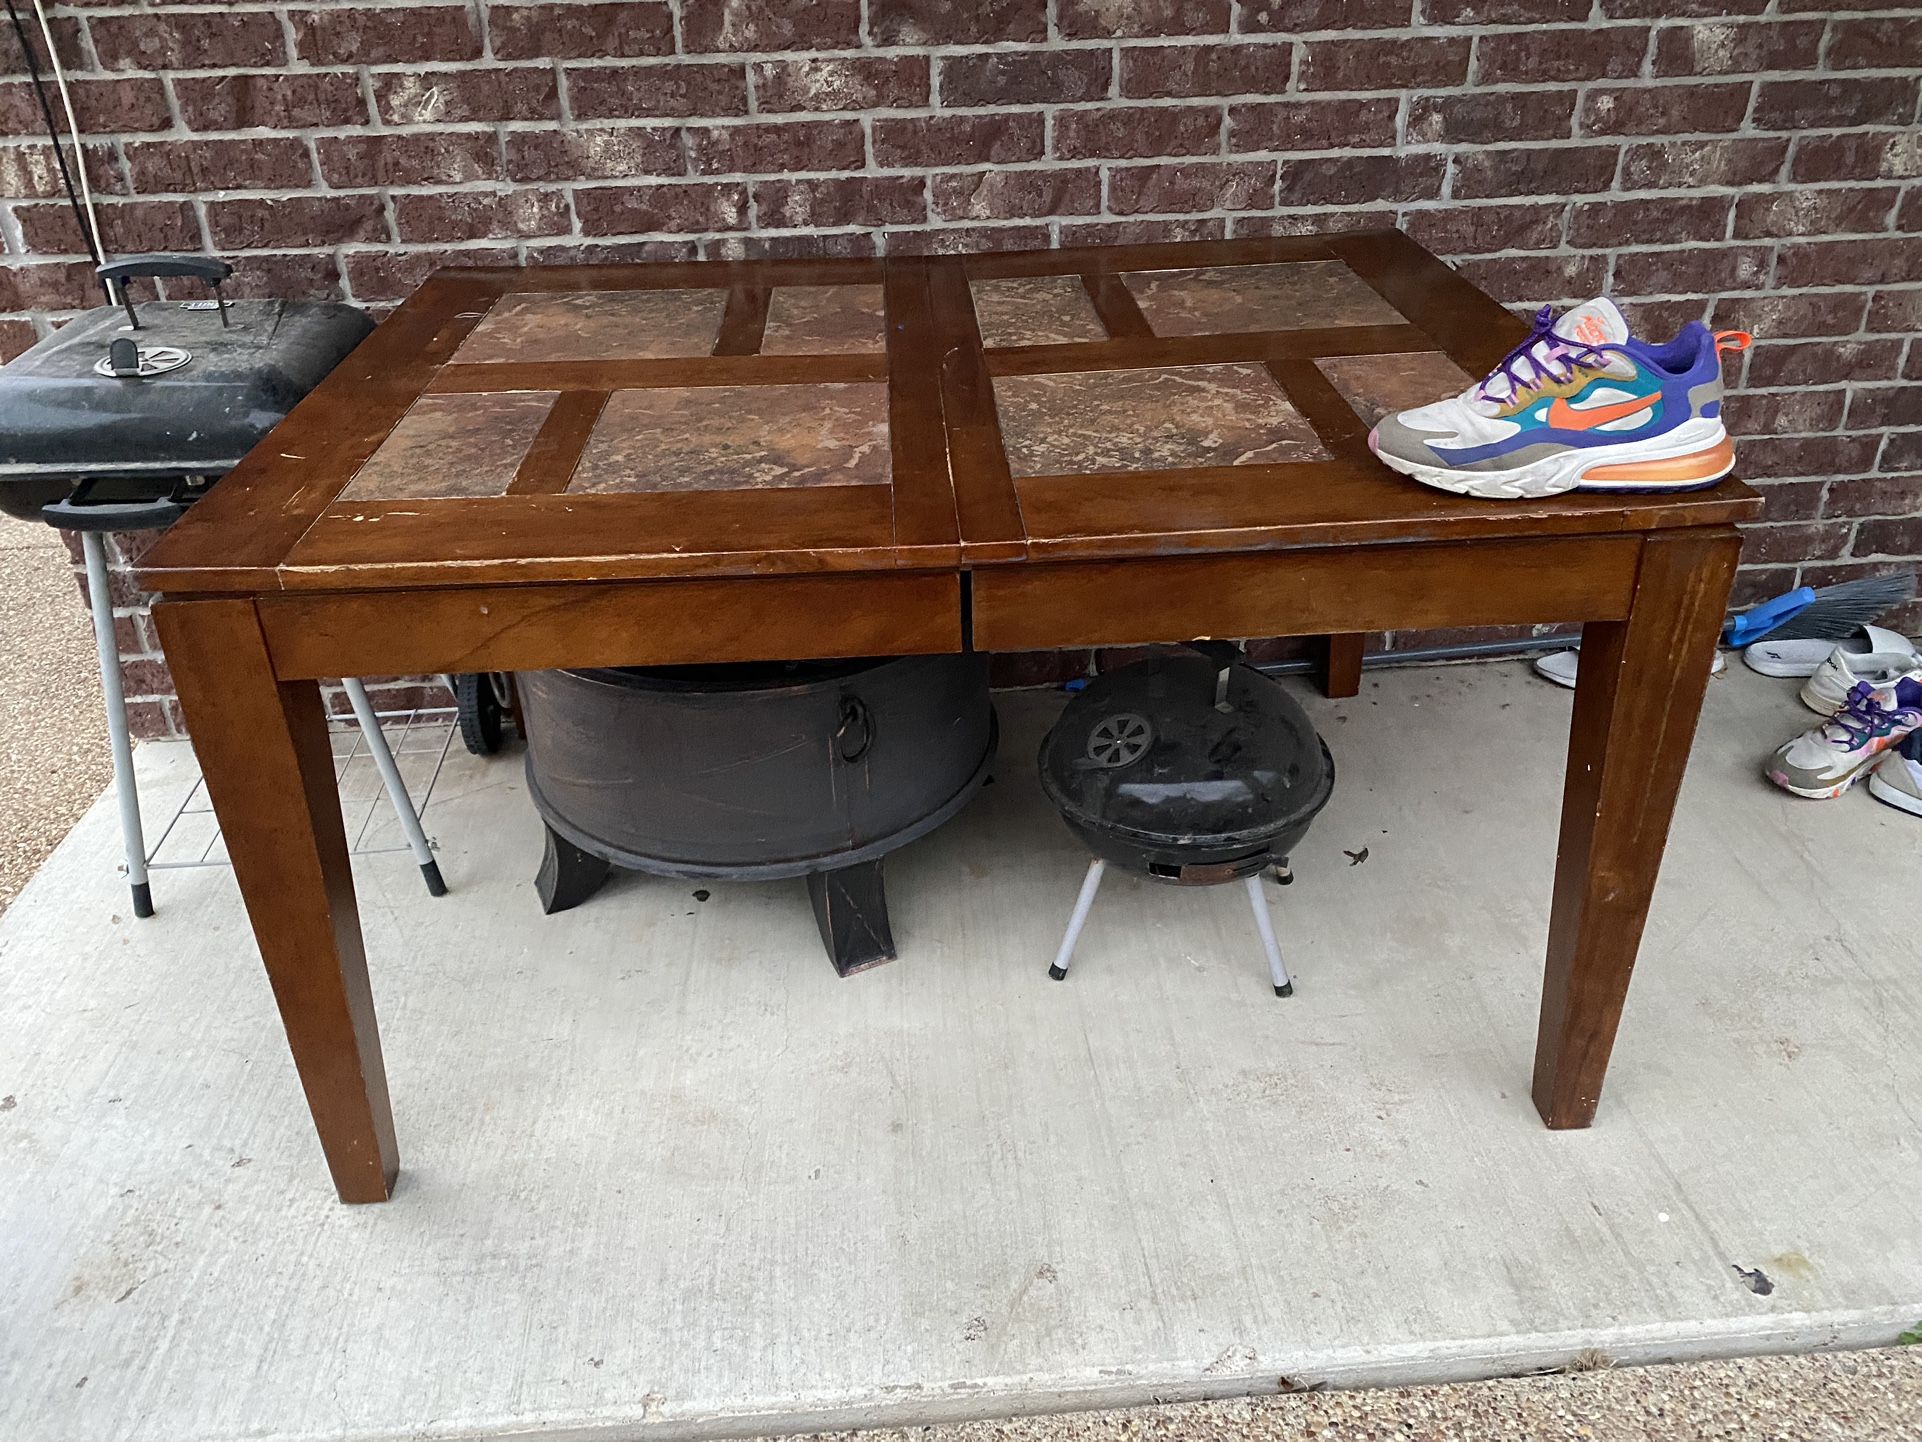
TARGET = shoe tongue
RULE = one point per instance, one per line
(1594, 322)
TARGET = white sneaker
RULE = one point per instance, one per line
(1897, 778)
(1888, 659)
(1826, 760)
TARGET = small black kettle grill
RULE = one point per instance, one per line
(128, 414)
(1190, 768)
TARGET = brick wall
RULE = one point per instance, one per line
(1758, 163)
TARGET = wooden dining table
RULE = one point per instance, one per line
(721, 461)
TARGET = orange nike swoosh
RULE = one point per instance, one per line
(1564, 417)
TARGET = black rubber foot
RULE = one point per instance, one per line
(142, 900)
(1059, 973)
(851, 910)
(1288, 990)
(1283, 876)
(435, 886)
(568, 875)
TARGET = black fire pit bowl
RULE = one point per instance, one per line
(816, 769)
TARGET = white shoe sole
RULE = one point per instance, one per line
(1555, 475)
(1895, 796)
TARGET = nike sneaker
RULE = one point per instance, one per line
(1580, 405)
(1827, 760)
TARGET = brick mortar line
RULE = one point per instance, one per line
(1438, 29)
(1046, 165)
(788, 119)
(1447, 150)
(570, 64)
(100, 69)
(1407, 211)
(1407, 206)
(962, 224)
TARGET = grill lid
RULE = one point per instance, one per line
(59, 417)
(1146, 752)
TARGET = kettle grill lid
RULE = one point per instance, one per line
(1145, 751)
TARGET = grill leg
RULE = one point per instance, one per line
(851, 910)
(1265, 924)
(568, 875)
(133, 839)
(376, 742)
(1083, 904)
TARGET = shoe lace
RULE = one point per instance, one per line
(1861, 718)
(1542, 352)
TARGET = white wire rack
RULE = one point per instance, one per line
(419, 738)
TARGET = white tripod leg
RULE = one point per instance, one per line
(376, 742)
(1266, 925)
(1083, 904)
(133, 839)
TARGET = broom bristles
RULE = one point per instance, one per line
(1838, 611)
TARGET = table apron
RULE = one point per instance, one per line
(1039, 607)
(640, 623)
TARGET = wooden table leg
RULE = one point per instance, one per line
(1640, 690)
(1341, 664)
(263, 748)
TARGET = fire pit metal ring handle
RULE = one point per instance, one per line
(855, 717)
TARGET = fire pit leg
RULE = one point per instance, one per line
(851, 908)
(568, 875)
(1083, 904)
(1266, 925)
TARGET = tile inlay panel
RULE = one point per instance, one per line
(1223, 300)
(1375, 385)
(597, 325)
(726, 438)
(447, 447)
(1164, 418)
(1035, 310)
(825, 320)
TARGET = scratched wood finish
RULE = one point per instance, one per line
(263, 746)
(1230, 508)
(637, 623)
(1638, 694)
(747, 533)
(1143, 601)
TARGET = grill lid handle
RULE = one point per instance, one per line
(188, 267)
(209, 268)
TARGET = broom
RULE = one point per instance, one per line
(1825, 613)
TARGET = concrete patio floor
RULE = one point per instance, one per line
(665, 1175)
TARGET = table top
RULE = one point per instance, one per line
(761, 417)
